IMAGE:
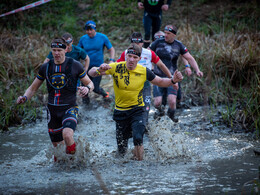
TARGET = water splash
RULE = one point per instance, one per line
(174, 141)
(83, 156)
(166, 144)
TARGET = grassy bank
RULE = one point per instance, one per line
(223, 37)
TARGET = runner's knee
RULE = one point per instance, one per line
(67, 133)
(157, 101)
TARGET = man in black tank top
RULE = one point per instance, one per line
(169, 49)
(61, 74)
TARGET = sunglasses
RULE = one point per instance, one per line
(90, 26)
(69, 40)
(158, 37)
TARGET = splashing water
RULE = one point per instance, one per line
(180, 158)
(166, 144)
(83, 156)
(172, 140)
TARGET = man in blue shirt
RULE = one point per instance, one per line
(73, 51)
(93, 43)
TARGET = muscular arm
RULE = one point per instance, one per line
(164, 68)
(30, 91)
(161, 82)
(166, 82)
(193, 64)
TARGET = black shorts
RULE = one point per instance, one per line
(130, 123)
(60, 117)
(160, 91)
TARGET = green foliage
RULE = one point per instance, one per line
(47, 17)
(234, 16)
(120, 16)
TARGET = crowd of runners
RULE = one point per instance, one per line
(144, 72)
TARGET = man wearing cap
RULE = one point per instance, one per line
(61, 74)
(128, 81)
(147, 58)
(73, 51)
(93, 43)
(169, 49)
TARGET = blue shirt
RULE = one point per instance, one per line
(76, 53)
(95, 47)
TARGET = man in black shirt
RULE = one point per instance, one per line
(169, 49)
(61, 74)
(152, 16)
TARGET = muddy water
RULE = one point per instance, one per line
(190, 157)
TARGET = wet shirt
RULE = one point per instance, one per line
(154, 6)
(128, 84)
(147, 58)
(168, 53)
(76, 53)
(94, 46)
(61, 80)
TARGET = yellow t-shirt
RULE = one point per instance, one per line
(128, 85)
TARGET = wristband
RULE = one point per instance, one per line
(111, 59)
(187, 66)
(88, 88)
(97, 71)
(25, 98)
(173, 82)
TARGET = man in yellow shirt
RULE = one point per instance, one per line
(128, 80)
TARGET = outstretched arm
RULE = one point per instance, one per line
(30, 91)
(98, 71)
(166, 82)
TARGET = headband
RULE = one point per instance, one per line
(170, 30)
(132, 51)
(58, 45)
(137, 40)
